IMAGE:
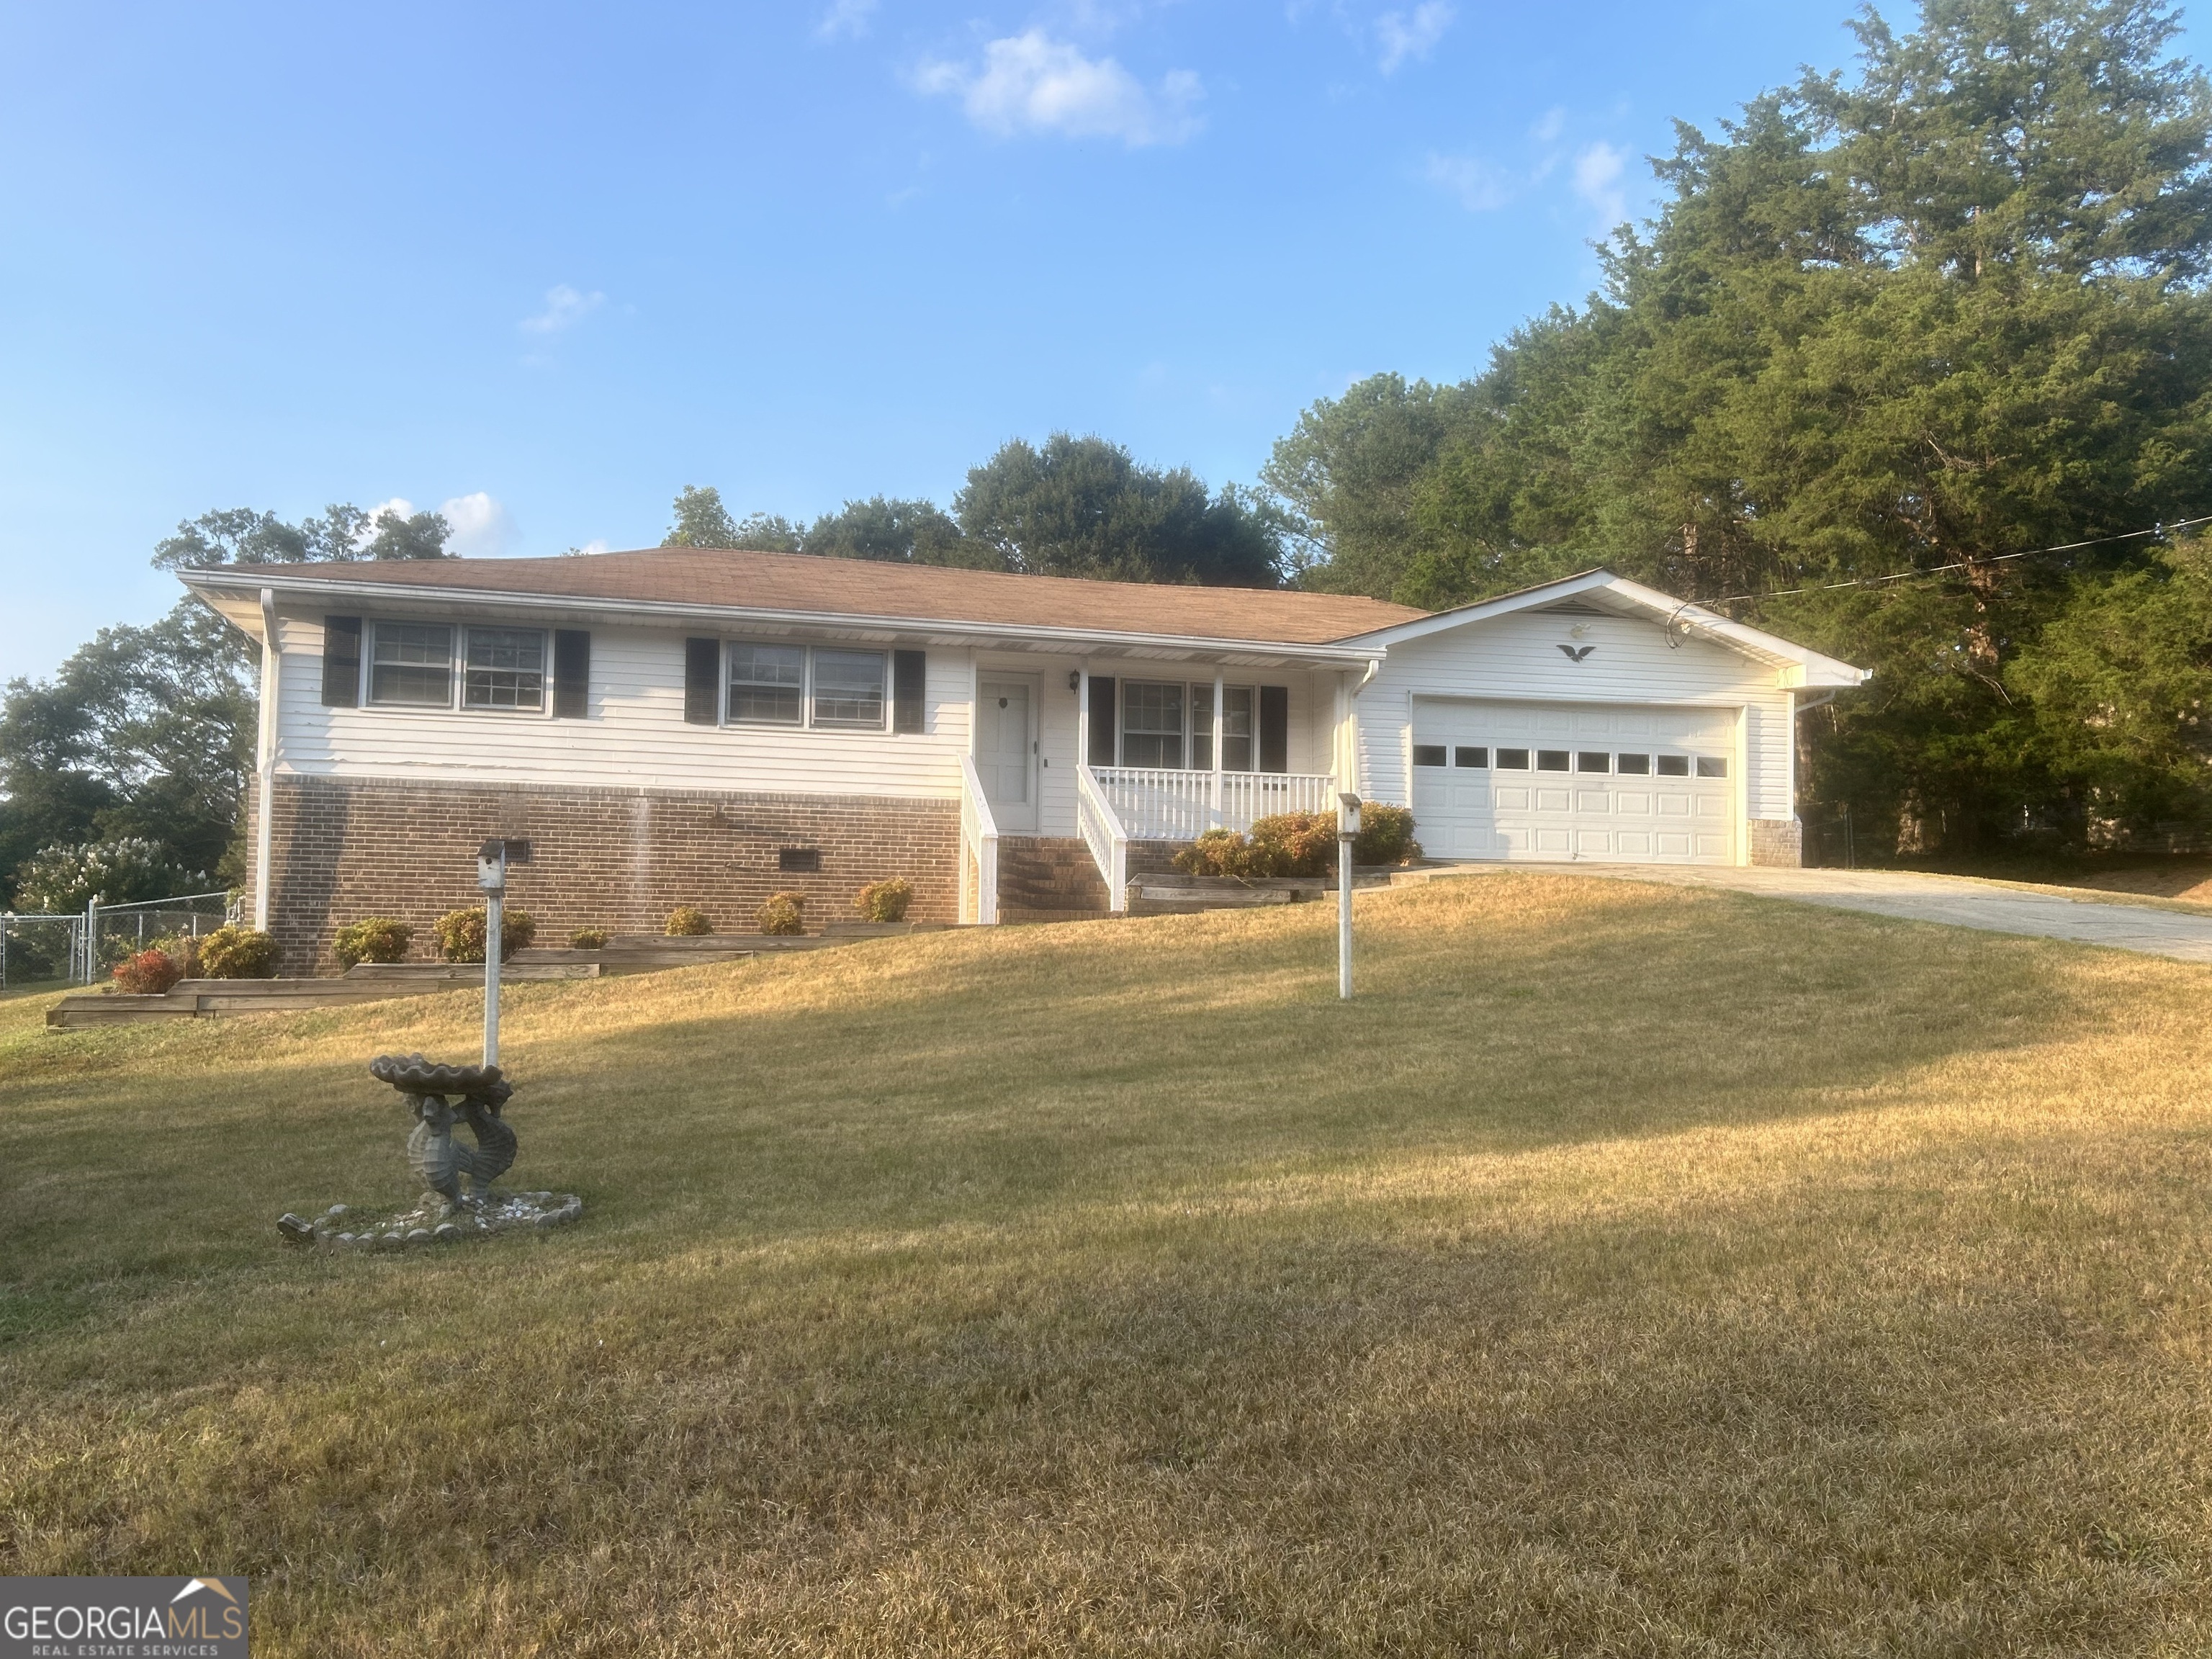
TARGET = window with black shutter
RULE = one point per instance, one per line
(910, 677)
(572, 673)
(341, 662)
(702, 682)
(1274, 728)
(1102, 720)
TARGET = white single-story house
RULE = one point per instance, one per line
(707, 726)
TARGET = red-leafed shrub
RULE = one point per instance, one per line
(148, 974)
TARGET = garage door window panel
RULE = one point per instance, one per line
(1673, 766)
(1477, 759)
(1512, 760)
(1632, 766)
(1591, 760)
(1428, 753)
(1550, 760)
(1712, 766)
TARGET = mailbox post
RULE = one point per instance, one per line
(1347, 831)
(491, 875)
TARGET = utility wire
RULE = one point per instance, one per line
(1939, 570)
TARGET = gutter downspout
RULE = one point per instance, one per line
(265, 758)
(1347, 725)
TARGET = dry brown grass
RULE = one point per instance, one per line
(1630, 1271)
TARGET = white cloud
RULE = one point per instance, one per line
(1410, 35)
(1548, 129)
(1480, 186)
(482, 527)
(1597, 181)
(1032, 84)
(845, 20)
(565, 308)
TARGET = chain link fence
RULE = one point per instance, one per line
(84, 949)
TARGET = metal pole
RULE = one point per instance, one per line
(91, 937)
(1343, 916)
(493, 901)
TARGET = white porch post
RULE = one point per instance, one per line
(266, 757)
(1219, 726)
(1083, 714)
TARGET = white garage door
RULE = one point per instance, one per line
(1632, 783)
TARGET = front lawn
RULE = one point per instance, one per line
(1629, 1270)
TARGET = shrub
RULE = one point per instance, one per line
(148, 974)
(373, 939)
(687, 922)
(58, 880)
(784, 912)
(884, 900)
(238, 953)
(588, 939)
(461, 933)
(1386, 835)
(1216, 853)
(183, 950)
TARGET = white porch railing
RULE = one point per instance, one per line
(1160, 805)
(1104, 834)
(979, 848)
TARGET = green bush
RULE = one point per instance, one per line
(688, 921)
(148, 974)
(784, 912)
(238, 953)
(461, 933)
(1386, 835)
(884, 900)
(588, 939)
(183, 950)
(373, 939)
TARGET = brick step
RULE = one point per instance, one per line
(1017, 916)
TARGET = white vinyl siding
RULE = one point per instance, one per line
(634, 736)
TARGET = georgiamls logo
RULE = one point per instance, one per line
(126, 1618)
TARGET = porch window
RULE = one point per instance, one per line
(1237, 711)
(768, 684)
(848, 689)
(412, 664)
(1151, 724)
(505, 669)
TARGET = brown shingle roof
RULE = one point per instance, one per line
(854, 587)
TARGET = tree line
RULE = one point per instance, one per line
(1913, 365)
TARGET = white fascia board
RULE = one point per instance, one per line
(1796, 664)
(210, 585)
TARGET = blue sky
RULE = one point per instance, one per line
(544, 265)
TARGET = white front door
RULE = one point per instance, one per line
(1005, 752)
(1624, 783)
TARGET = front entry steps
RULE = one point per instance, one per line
(1049, 878)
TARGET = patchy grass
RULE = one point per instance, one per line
(1631, 1270)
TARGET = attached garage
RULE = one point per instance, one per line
(1644, 784)
(1590, 718)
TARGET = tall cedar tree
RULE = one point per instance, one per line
(1948, 313)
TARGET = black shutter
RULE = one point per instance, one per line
(572, 673)
(1102, 720)
(341, 662)
(909, 673)
(702, 675)
(1274, 728)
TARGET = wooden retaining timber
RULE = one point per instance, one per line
(1170, 895)
(380, 982)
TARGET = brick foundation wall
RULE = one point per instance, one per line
(1778, 841)
(343, 848)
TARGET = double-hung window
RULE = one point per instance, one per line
(411, 665)
(505, 669)
(848, 690)
(1235, 728)
(768, 684)
(1151, 724)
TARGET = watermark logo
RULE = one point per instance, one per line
(123, 1618)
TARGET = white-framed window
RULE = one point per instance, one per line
(1151, 724)
(1238, 703)
(504, 668)
(823, 687)
(768, 684)
(411, 665)
(849, 690)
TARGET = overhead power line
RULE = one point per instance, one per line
(1963, 564)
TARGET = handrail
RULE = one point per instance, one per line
(1168, 803)
(1104, 834)
(979, 835)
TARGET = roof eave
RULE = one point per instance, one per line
(246, 579)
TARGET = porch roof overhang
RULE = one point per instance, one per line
(234, 592)
(1795, 666)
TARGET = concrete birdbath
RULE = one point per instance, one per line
(459, 1200)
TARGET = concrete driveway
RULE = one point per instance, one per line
(2086, 918)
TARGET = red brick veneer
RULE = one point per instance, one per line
(343, 848)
